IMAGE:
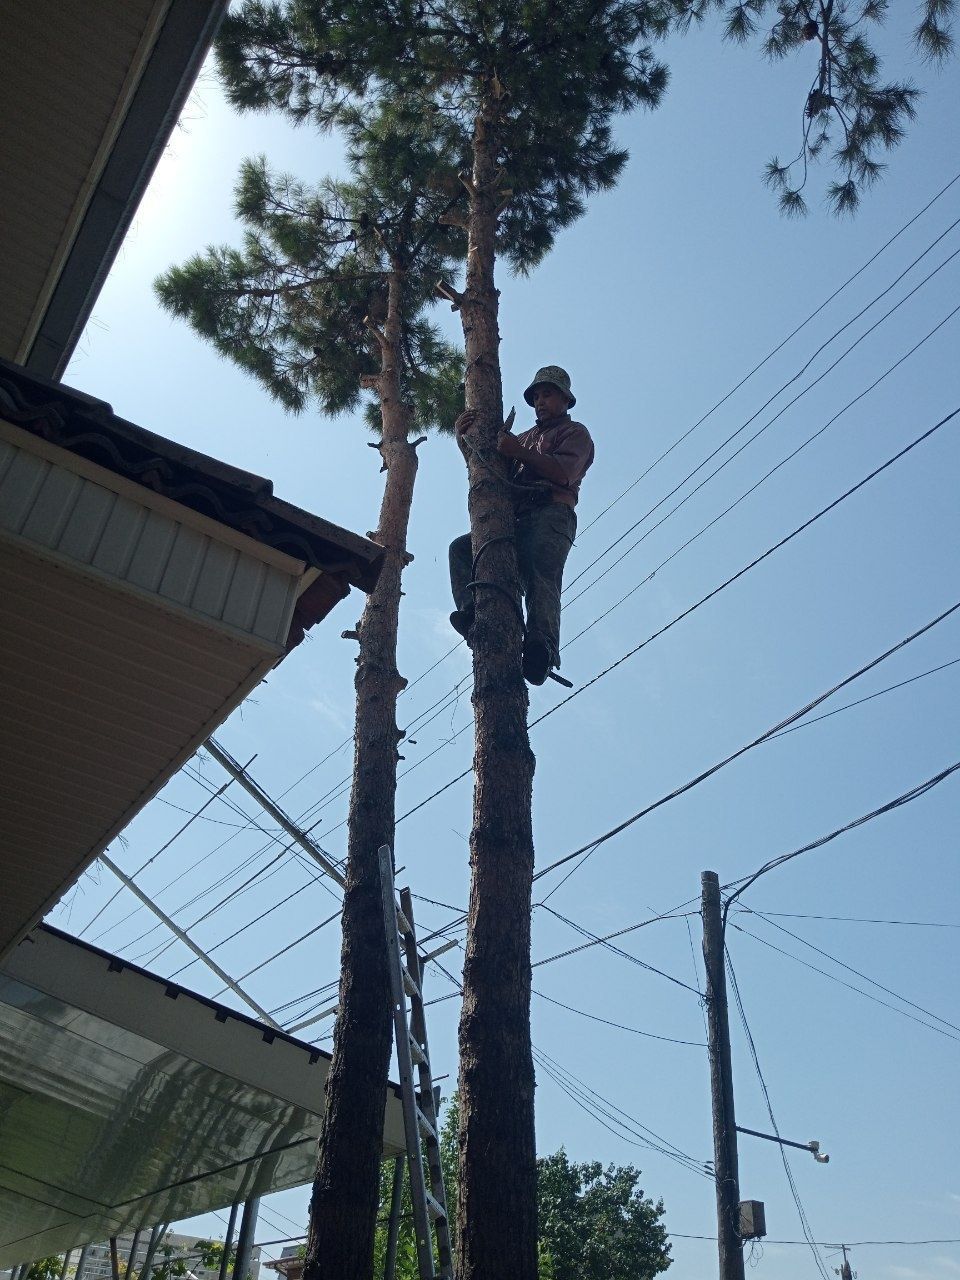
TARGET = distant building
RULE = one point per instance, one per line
(97, 1264)
(290, 1263)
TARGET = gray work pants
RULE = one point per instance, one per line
(544, 535)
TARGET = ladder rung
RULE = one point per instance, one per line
(409, 985)
(403, 924)
(426, 1128)
(417, 1054)
(434, 1207)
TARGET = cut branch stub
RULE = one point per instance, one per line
(449, 294)
(377, 332)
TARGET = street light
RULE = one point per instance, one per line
(813, 1146)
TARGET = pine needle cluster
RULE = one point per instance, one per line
(296, 304)
(850, 116)
(559, 69)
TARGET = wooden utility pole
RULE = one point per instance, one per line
(844, 1272)
(726, 1173)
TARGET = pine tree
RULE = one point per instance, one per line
(526, 93)
(328, 296)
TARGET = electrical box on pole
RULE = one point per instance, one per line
(753, 1220)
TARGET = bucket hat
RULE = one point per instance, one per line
(553, 376)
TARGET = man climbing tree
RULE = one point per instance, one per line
(328, 297)
(527, 93)
(548, 463)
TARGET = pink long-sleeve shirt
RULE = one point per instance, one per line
(568, 443)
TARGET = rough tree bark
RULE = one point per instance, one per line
(497, 1207)
(345, 1198)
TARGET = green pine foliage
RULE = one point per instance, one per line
(293, 305)
(560, 70)
(851, 115)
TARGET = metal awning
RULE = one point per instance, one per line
(127, 1100)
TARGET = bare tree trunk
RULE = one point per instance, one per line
(345, 1199)
(497, 1207)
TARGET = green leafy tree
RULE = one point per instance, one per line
(525, 94)
(595, 1223)
(46, 1268)
(171, 1262)
(326, 302)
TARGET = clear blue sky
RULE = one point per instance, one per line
(658, 302)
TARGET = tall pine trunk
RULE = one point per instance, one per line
(344, 1203)
(497, 1208)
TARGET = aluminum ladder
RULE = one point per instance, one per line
(406, 967)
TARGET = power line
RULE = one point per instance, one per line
(850, 969)
(346, 742)
(823, 1244)
(921, 789)
(273, 839)
(588, 849)
(711, 594)
(277, 864)
(261, 915)
(801, 1212)
(176, 835)
(307, 995)
(902, 453)
(289, 947)
(265, 872)
(800, 915)
(675, 913)
(746, 493)
(272, 868)
(775, 351)
(847, 706)
(619, 1026)
(614, 1118)
(842, 982)
(800, 394)
(618, 951)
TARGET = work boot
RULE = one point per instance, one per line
(462, 620)
(536, 660)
